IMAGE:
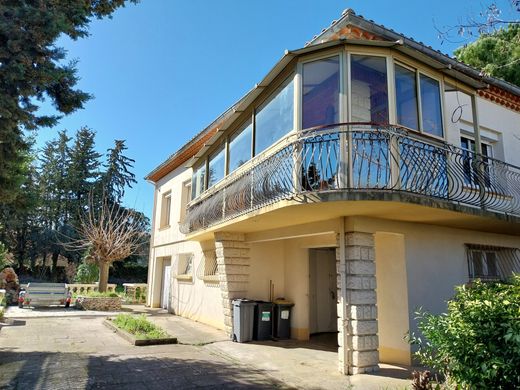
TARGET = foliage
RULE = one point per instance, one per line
(494, 14)
(87, 273)
(34, 69)
(3, 256)
(110, 233)
(118, 174)
(70, 272)
(44, 219)
(139, 326)
(476, 344)
(97, 294)
(496, 54)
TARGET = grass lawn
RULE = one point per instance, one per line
(139, 326)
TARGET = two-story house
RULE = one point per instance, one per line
(365, 176)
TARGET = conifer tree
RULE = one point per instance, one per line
(118, 174)
(33, 69)
(83, 171)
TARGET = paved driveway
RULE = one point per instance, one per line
(81, 353)
(77, 351)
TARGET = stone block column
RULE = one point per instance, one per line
(233, 270)
(357, 311)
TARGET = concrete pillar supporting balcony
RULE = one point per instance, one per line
(233, 270)
(357, 311)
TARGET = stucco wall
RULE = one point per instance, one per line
(499, 125)
(392, 297)
(193, 298)
(435, 258)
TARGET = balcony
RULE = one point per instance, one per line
(361, 161)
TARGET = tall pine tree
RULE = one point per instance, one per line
(118, 174)
(33, 69)
(83, 172)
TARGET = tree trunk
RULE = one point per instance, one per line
(54, 271)
(103, 276)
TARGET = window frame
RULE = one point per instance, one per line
(185, 199)
(165, 216)
(472, 183)
(185, 259)
(264, 102)
(208, 262)
(418, 72)
(236, 130)
(340, 53)
(390, 85)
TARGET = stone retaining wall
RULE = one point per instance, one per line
(99, 303)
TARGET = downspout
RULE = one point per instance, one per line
(151, 259)
(344, 310)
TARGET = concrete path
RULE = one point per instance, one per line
(81, 353)
(78, 352)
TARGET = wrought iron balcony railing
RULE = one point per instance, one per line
(359, 157)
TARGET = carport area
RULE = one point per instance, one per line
(78, 352)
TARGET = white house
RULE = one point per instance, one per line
(366, 175)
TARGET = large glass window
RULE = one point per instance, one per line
(275, 118)
(369, 89)
(406, 97)
(198, 180)
(240, 146)
(320, 92)
(431, 106)
(216, 166)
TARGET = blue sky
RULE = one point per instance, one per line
(162, 70)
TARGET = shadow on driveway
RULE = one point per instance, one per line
(42, 370)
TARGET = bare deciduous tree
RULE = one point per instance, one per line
(110, 233)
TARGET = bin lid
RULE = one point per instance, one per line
(243, 301)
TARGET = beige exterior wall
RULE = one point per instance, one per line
(417, 265)
(392, 297)
(435, 258)
(499, 126)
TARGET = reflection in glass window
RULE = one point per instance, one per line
(320, 92)
(431, 106)
(406, 97)
(216, 166)
(198, 180)
(369, 89)
(275, 118)
(240, 146)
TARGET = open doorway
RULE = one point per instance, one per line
(323, 311)
(166, 284)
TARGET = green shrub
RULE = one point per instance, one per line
(87, 273)
(476, 344)
(139, 326)
(3, 256)
(107, 294)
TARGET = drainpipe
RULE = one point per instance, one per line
(478, 150)
(344, 310)
(151, 259)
